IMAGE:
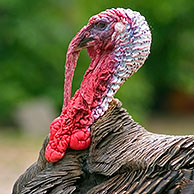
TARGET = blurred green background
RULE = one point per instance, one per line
(34, 36)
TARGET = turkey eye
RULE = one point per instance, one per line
(100, 25)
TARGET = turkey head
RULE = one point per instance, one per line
(118, 43)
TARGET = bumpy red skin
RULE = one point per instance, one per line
(71, 128)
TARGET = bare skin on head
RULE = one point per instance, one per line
(118, 42)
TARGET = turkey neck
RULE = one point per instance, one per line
(91, 100)
(101, 81)
(108, 70)
(111, 65)
(95, 85)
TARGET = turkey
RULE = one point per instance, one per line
(94, 145)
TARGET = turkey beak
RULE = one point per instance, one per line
(86, 40)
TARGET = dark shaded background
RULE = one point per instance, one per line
(34, 36)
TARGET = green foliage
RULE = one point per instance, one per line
(34, 37)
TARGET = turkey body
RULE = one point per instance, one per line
(123, 158)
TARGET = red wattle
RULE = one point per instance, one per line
(52, 155)
(80, 140)
(70, 129)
